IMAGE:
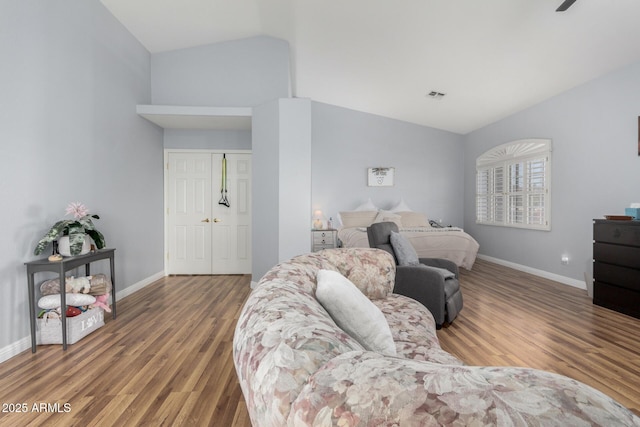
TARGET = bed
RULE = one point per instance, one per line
(451, 243)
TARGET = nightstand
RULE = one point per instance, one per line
(324, 239)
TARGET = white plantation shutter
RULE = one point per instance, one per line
(483, 195)
(513, 185)
(537, 191)
(498, 199)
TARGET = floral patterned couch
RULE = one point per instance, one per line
(297, 367)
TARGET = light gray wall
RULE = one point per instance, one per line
(595, 171)
(281, 182)
(295, 177)
(428, 164)
(70, 79)
(238, 73)
(208, 139)
(265, 186)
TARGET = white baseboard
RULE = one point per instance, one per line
(139, 285)
(540, 273)
(14, 349)
(23, 344)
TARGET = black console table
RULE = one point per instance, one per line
(61, 267)
(616, 265)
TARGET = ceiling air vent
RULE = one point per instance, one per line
(435, 95)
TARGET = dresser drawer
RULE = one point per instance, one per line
(625, 256)
(617, 232)
(623, 277)
(616, 298)
(322, 237)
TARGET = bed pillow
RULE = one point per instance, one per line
(401, 206)
(405, 252)
(386, 216)
(357, 218)
(354, 313)
(413, 219)
(367, 206)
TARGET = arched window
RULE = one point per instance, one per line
(513, 185)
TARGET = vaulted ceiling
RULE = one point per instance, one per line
(490, 58)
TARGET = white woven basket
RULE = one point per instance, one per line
(50, 331)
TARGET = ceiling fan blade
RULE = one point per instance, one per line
(565, 5)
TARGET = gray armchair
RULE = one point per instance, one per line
(441, 296)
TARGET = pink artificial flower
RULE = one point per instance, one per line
(77, 209)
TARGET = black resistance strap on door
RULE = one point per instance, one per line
(223, 186)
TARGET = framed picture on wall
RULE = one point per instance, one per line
(380, 177)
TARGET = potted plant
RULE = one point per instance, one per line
(76, 229)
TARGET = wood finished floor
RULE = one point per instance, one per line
(516, 319)
(167, 361)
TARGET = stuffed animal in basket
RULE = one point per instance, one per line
(78, 284)
(51, 314)
(73, 311)
(102, 301)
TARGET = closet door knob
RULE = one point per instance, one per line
(205, 220)
(217, 220)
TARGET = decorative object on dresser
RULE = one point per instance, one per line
(633, 211)
(616, 265)
(323, 239)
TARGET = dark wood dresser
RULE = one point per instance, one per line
(616, 265)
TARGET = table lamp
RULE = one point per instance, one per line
(317, 220)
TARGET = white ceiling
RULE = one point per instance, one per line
(491, 58)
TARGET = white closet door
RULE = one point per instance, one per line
(205, 237)
(189, 213)
(232, 224)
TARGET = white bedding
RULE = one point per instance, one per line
(451, 243)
